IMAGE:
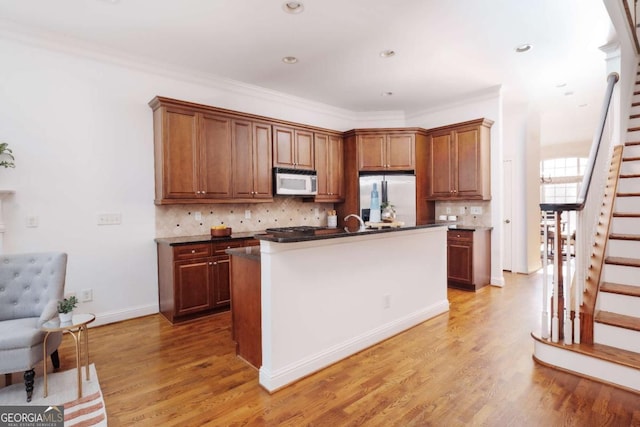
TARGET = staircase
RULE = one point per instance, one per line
(612, 355)
(617, 317)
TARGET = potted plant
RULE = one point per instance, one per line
(65, 308)
(6, 156)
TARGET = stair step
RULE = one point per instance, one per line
(624, 222)
(616, 236)
(617, 288)
(618, 320)
(626, 214)
(627, 204)
(627, 262)
(616, 273)
(633, 129)
(635, 116)
(629, 175)
(627, 195)
(601, 351)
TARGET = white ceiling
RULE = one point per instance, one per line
(446, 50)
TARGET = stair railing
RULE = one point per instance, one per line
(567, 299)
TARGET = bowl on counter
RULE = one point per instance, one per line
(221, 232)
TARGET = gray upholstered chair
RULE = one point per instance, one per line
(30, 287)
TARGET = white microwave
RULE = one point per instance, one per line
(294, 182)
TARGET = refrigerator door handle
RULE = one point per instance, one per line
(385, 197)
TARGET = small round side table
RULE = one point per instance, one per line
(77, 327)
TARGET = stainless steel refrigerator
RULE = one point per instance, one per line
(398, 189)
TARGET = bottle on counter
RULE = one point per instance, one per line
(374, 214)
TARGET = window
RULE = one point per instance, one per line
(560, 179)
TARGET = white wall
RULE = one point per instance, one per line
(81, 131)
(490, 107)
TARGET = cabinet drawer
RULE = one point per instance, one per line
(460, 236)
(197, 250)
(252, 242)
(219, 248)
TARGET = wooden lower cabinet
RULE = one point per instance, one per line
(193, 279)
(468, 258)
(246, 309)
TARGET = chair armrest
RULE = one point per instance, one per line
(50, 311)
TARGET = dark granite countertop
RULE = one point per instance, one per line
(249, 252)
(469, 227)
(333, 233)
(205, 238)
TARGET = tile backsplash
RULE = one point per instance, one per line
(466, 212)
(181, 220)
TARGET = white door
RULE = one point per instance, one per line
(507, 245)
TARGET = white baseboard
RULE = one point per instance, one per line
(124, 314)
(273, 381)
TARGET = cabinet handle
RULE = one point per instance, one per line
(215, 263)
(193, 251)
(210, 263)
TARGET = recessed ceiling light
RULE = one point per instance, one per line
(289, 59)
(386, 94)
(582, 105)
(387, 53)
(293, 7)
(523, 48)
(568, 93)
(561, 85)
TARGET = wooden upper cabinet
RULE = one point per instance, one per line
(215, 156)
(177, 173)
(386, 151)
(293, 148)
(251, 160)
(209, 155)
(459, 161)
(329, 165)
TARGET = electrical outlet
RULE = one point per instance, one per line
(247, 214)
(86, 295)
(32, 221)
(316, 212)
(462, 210)
(387, 301)
(476, 210)
(198, 216)
(448, 210)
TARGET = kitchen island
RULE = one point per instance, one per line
(329, 295)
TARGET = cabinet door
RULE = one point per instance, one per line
(304, 152)
(283, 147)
(371, 152)
(180, 154)
(467, 168)
(262, 170)
(459, 262)
(215, 157)
(336, 170)
(243, 179)
(440, 159)
(321, 147)
(400, 152)
(221, 279)
(192, 286)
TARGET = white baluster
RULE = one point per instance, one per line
(555, 324)
(579, 288)
(545, 284)
(568, 326)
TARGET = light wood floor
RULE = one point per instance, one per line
(471, 366)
